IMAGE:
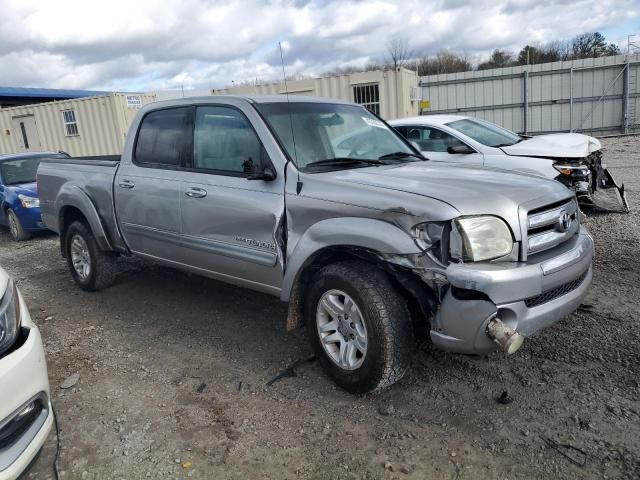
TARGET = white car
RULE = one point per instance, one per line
(26, 417)
(571, 158)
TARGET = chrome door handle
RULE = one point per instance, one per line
(126, 184)
(195, 192)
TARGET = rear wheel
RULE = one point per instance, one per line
(15, 227)
(359, 326)
(90, 267)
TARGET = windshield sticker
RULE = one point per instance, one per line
(373, 122)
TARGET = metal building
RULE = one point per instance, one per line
(594, 95)
(16, 96)
(81, 127)
(388, 93)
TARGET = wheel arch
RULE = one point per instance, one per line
(73, 204)
(4, 207)
(315, 250)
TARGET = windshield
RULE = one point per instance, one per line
(19, 171)
(485, 133)
(332, 135)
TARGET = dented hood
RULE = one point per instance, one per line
(557, 145)
(471, 191)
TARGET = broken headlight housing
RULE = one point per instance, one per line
(480, 238)
(433, 237)
(569, 170)
(9, 317)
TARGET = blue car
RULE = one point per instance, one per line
(19, 203)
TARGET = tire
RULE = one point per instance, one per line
(387, 326)
(15, 227)
(102, 266)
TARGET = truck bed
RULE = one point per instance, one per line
(83, 183)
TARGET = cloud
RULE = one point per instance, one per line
(146, 45)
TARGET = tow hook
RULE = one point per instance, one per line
(507, 339)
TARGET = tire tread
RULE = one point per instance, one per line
(384, 305)
(105, 266)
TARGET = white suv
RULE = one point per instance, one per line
(25, 409)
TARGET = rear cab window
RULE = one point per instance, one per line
(162, 138)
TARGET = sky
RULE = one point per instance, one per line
(147, 45)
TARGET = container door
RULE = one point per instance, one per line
(26, 134)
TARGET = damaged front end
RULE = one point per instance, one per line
(486, 297)
(461, 318)
(594, 185)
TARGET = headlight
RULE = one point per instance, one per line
(482, 238)
(29, 202)
(569, 169)
(9, 317)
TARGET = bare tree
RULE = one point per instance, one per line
(443, 62)
(399, 52)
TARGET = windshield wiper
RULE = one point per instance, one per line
(344, 161)
(398, 155)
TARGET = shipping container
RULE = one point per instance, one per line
(388, 93)
(81, 127)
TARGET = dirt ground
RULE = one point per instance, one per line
(174, 370)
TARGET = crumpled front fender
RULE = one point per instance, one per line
(374, 235)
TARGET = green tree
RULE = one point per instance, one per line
(499, 59)
(528, 55)
(589, 45)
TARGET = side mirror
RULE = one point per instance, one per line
(463, 149)
(259, 172)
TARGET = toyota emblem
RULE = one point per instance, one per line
(564, 221)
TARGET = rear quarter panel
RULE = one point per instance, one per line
(83, 184)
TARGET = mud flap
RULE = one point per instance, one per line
(608, 197)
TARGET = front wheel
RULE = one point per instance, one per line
(359, 326)
(15, 227)
(90, 267)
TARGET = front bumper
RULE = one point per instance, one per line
(528, 297)
(23, 378)
(30, 218)
(598, 190)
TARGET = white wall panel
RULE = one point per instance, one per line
(498, 95)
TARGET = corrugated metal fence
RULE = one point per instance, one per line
(596, 95)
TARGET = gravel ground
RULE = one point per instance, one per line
(173, 372)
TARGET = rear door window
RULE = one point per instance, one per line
(161, 138)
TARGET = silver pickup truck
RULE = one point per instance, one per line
(322, 204)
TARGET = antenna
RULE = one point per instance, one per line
(293, 138)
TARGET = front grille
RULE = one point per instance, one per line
(550, 226)
(555, 292)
